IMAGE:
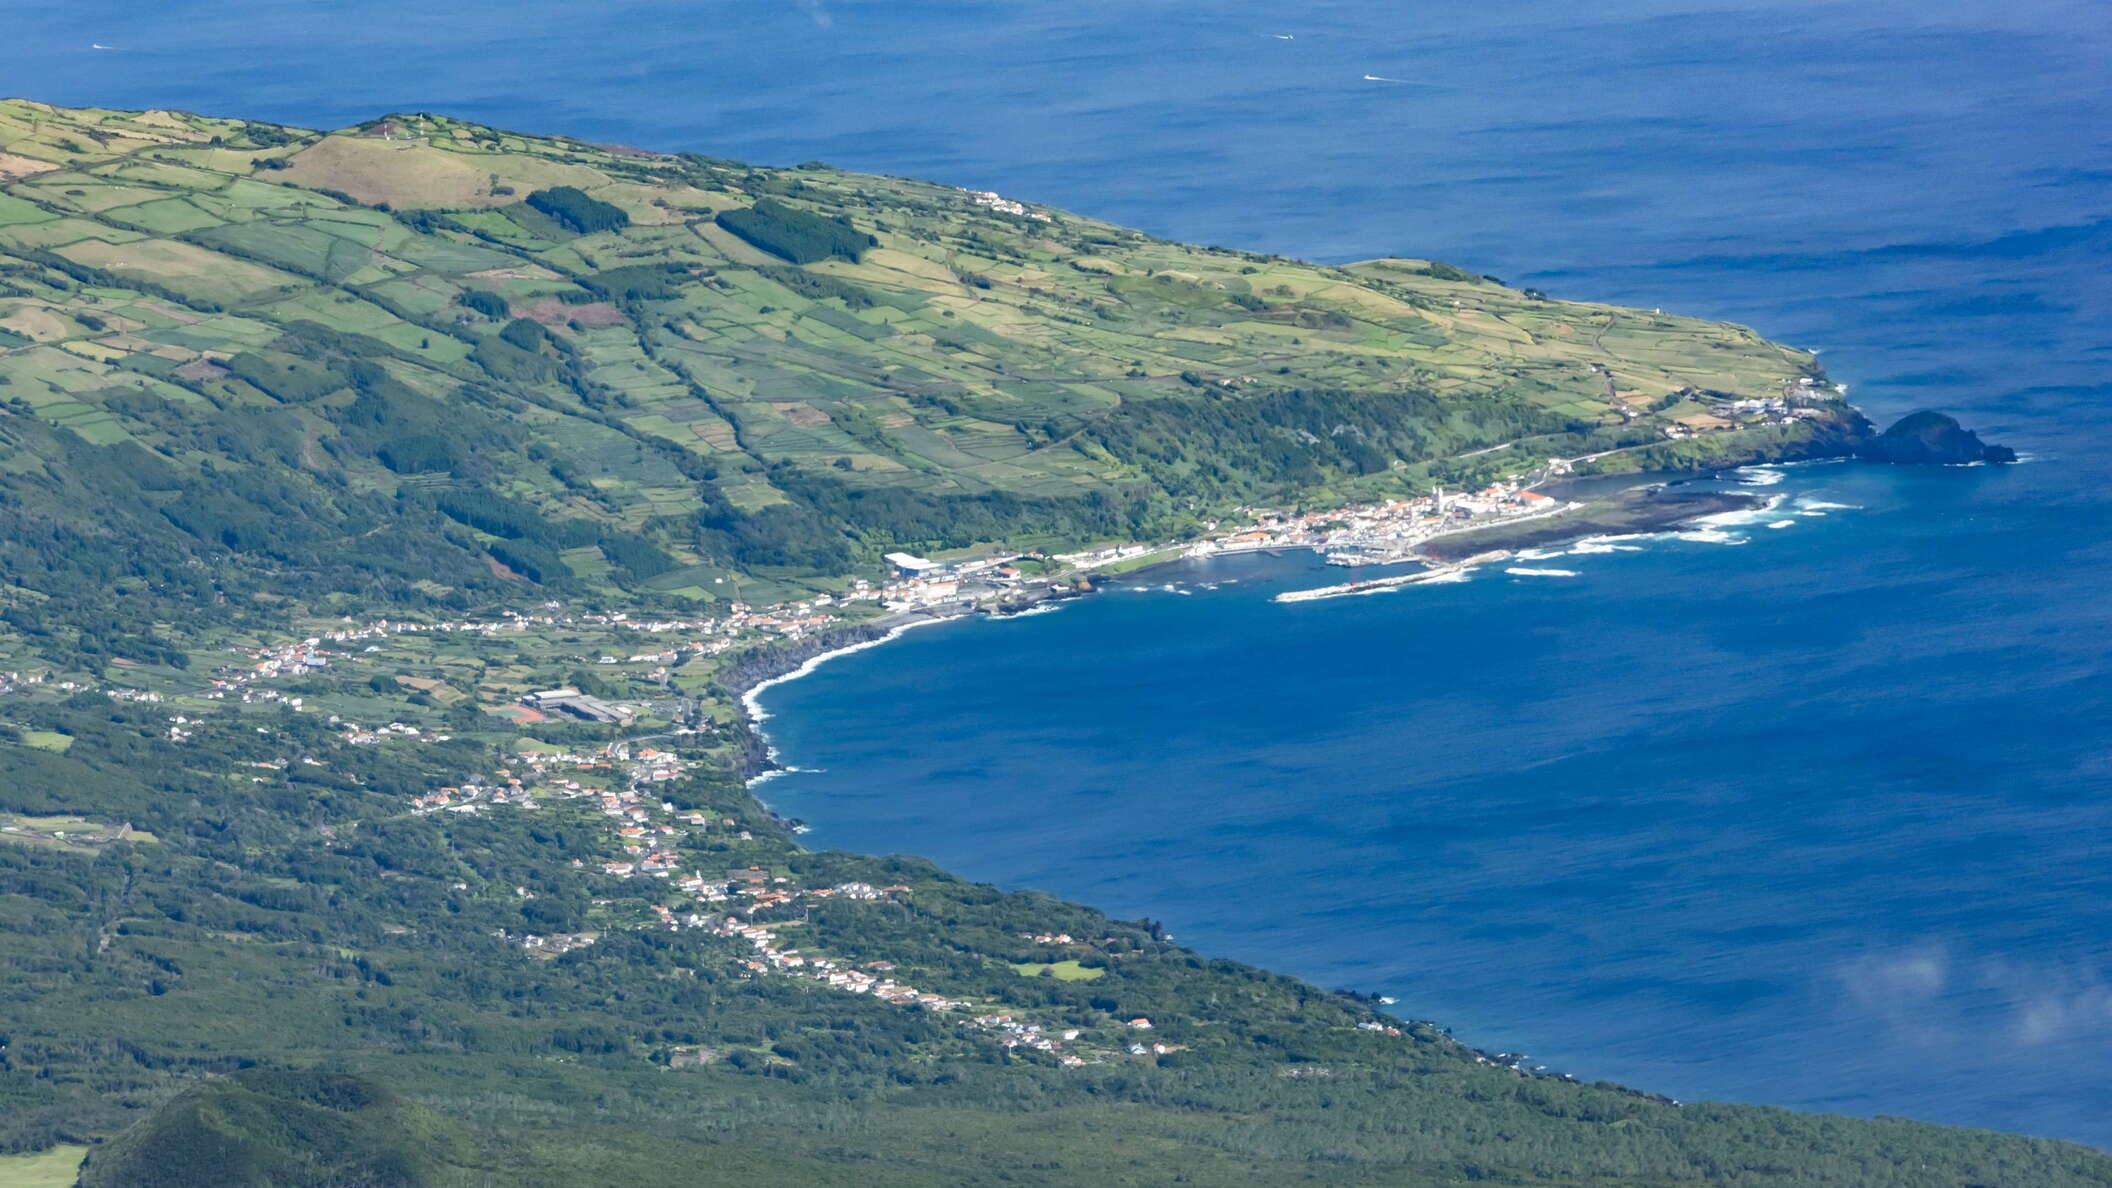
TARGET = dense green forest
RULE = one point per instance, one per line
(800, 236)
(572, 207)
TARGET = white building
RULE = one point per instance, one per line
(910, 565)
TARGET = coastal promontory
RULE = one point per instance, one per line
(1932, 438)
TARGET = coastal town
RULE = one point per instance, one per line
(668, 860)
(682, 881)
(646, 690)
(662, 651)
(664, 861)
(1384, 533)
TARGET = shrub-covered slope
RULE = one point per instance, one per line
(267, 1129)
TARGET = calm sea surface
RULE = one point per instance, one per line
(1817, 814)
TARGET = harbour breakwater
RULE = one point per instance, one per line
(1437, 573)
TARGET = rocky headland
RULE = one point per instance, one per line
(1931, 438)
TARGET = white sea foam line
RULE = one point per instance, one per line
(1712, 536)
(1523, 571)
(1594, 545)
(775, 772)
(751, 702)
(1758, 476)
(1782, 524)
(1820, 504)
(1615, 538)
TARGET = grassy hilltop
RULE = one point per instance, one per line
(345, 911)
(422, 361)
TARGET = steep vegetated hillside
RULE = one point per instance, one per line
(425, 363)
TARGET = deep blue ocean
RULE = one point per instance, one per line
(1817, 815)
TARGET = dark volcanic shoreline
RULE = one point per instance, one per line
(752, 670)
(757, 668)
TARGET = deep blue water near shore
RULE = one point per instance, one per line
(1818, 820)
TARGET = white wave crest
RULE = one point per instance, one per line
(773, 773)
(1592, 545)
(1039, 608)
(1523, 571)
(1712, 536)
(1739, 516)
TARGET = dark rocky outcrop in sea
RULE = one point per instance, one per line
(1931, 438)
